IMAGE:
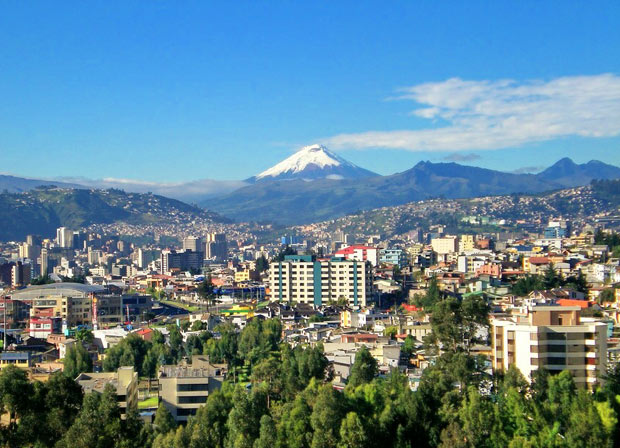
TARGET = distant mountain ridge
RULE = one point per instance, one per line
(567, 173)
(315, 184)
(13, 184)
(298, 202)
(42, 210)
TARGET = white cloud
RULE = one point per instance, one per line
(478, 115)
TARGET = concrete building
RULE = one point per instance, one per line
(466, 243)
(23, 360)
(124, 381)
(21, 274)
(192, 243)
(553, 338)
(445, 245)
(304, 279)
(184, 260)
(396, 257)
(216, 247)
(74, 303)
(359, 253)
(64, 237)
(185, 388)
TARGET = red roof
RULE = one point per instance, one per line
(351, 249)
(573, 302)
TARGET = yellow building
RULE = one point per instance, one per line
(23, 360)
(466, 243)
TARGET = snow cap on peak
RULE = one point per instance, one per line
(309, 157)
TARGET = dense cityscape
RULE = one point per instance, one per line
(309, 225)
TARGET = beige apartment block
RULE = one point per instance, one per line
(553, 338)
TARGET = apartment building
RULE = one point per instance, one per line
(304, 279)
(466, 243)
(182, 260)
(553, 338)
(359, 253)
(445, 245)
(185, 388)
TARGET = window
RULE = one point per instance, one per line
(193, 399)
(192, 387)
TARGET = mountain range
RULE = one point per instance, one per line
(297, 201)
(315, 184)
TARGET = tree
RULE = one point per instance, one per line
(198, 325)
(205, 291)
(262, 264)
(527, 284)
(243, 420)
(364, 368)
(268, 373)
(84, 335)
(15, 391)
(77, 360)
(353, 432)
(607, 296)
(185, 325)
(326, 416)
(390, 332)
(164, 422)
(431, 297)
(267, 435)
(63, 400)
(409, 346)
(210, 421)
(551, 279)
(97, 425)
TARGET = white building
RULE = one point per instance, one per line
(445, 245)
(303, 279)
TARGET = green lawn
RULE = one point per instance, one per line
(150, 402)
(190, 308)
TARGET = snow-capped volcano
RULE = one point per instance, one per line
(314, 162)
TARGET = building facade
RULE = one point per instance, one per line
(185, 388)
(553, 338)
(183, 260)
(304, 279)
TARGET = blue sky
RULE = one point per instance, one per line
(174, 91)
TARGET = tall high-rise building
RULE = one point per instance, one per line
(304, 279)
(192, 243)
(43, 263)
(20, 274)
(445, 245)
(552, 338)
(64, 237)
(33, 240)
(216, 247)
(140, 258)
(183, 260)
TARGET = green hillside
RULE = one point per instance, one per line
(42, 210)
